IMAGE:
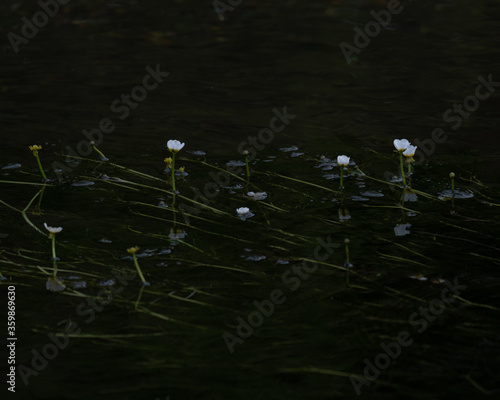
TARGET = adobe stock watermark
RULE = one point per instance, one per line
(222, 8)
(292, 278)
(455, 115)
(30, 28)
(372, 29)
(59, 342)
(121, 106)
(279, 121)
(420, 320)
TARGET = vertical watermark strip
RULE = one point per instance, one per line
(11, 338)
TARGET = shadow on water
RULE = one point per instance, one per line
(252, 305)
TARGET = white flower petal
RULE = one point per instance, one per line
(401, 145)
(242, 210)
(410, 151)
(175, 145)
(52, 229)
(343, 161)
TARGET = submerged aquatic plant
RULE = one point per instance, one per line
(401, 145)
(342, 161)
(133, 250)
(35, 149)
(174, 146)
(52, 235)
(409, 153)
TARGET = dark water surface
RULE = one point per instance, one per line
(208, 270)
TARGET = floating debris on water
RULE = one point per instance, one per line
(12, 166)
(288, 149)
(457, 194)
(235, 163)
(402, 229)
(372, 194)
(83, 183)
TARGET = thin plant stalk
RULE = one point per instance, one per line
(139, 297)
(54, 257)
(173, 171)
(341, 179)
(40, 166)
(23, 212)
(38, 207)
(138, 269)
(402, 169)
(35, 149)
(103, 157)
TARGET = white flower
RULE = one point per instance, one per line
(51, 229)
(401, 145)
(343, 161)
(242, 210)
(174, 145)
(410, 151)
(55, 284)
(176, 234)
(257, 196)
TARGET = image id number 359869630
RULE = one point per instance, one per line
(11, 338)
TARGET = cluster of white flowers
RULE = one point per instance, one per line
(404, 146)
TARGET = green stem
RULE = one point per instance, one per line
(40, 166)
(402, 169)
(54, 257)
(39, 207)
(139, 297)
(99, 152)
(23, 212)
(341, 178)
(138, 268)
(173, 171)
